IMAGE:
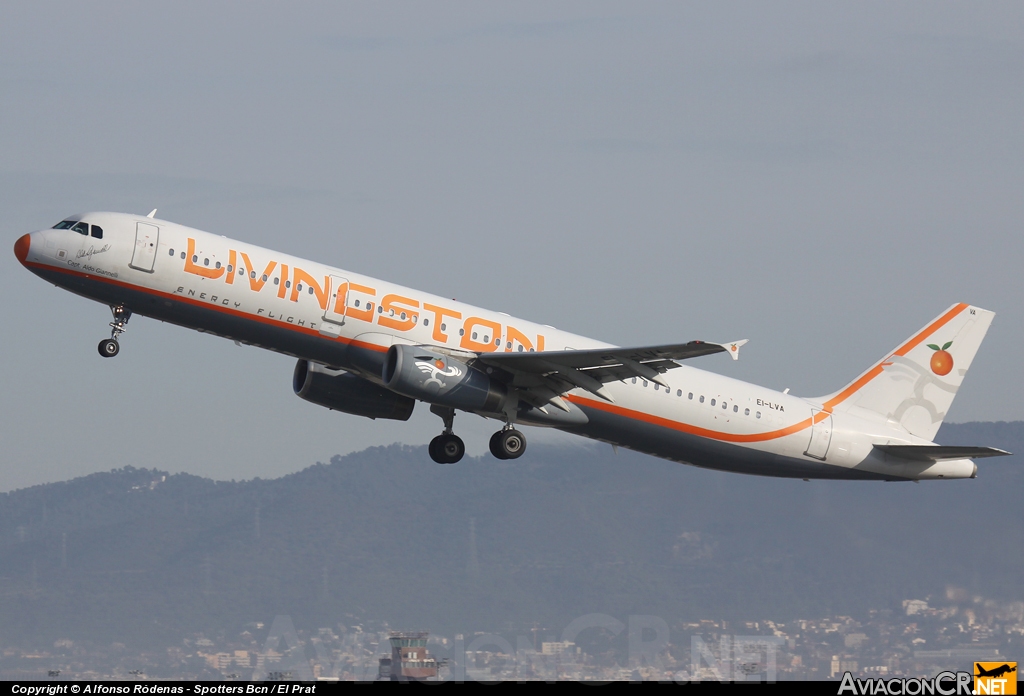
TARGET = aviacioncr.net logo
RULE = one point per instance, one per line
(944, 684)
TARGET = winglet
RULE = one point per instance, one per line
(152, 213)
(733, 349)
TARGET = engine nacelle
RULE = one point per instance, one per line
(440, 379)
(339, 390)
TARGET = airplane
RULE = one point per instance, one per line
(373, 348)
(997, 672)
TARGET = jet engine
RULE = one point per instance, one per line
(441, 379)
(339, 390)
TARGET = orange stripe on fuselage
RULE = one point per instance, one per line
(206, 305)
(579, 400)
(686, 427)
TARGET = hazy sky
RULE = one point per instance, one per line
(822, 179)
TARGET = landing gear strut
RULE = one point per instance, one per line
(446, 448)
(109, 347)
(508, 443)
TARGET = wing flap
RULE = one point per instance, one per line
(547, 374)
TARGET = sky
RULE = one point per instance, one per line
(822, 179)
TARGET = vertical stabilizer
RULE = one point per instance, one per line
(914, 384)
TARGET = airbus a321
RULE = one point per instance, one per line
(373, 348)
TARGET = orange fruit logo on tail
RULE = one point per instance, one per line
(942, 362)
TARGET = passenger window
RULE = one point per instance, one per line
(277, 281)
(725, 406)
(97, 232)
(645, 382)
(310, 289)
(426, 322)
(183, 257)
(634, 380)
(521, 349)
(443, 326)
(758, 414)
(497, 342)
(357, 303)
(171, 253)
(690, 396)
(656, 388)
(712, 402)
(474, 335)
(217, 265)
(402, 316)
(462, 332)
(288, 284)
(81, 228)
(252, 274)
(380, 308)
(509, 345)
(679, 392)
(206, 262)
(735, 409)
(231, 269)
(195, 258)
(702, 398)
(746, 412)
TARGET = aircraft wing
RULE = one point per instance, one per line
(548, 374)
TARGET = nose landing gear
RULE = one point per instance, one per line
(109, 347)
(446, 448)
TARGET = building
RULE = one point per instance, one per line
(410, 660)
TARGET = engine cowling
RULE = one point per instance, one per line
(441, 379)
(339, 390)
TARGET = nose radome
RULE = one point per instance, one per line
(21, 247)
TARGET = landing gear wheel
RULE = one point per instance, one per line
(495, 446)
(109, 348)
(508, 444)
(447, 448)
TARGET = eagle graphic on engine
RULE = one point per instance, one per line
(435, 369)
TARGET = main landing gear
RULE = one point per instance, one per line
(508, 443)
(109, 347)
(446, 448)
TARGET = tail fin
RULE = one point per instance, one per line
(914, 384)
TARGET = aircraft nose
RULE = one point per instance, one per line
(21, 247)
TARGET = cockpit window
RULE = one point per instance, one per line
(65, 225)
(81, 228)
(97, 232)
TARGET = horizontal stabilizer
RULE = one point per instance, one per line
(934, 453)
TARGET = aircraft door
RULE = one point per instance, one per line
(334, 315)
(146, 239)
(821, 436)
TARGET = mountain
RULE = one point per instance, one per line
(386, 535)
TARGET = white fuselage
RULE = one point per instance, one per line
(341, 319)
